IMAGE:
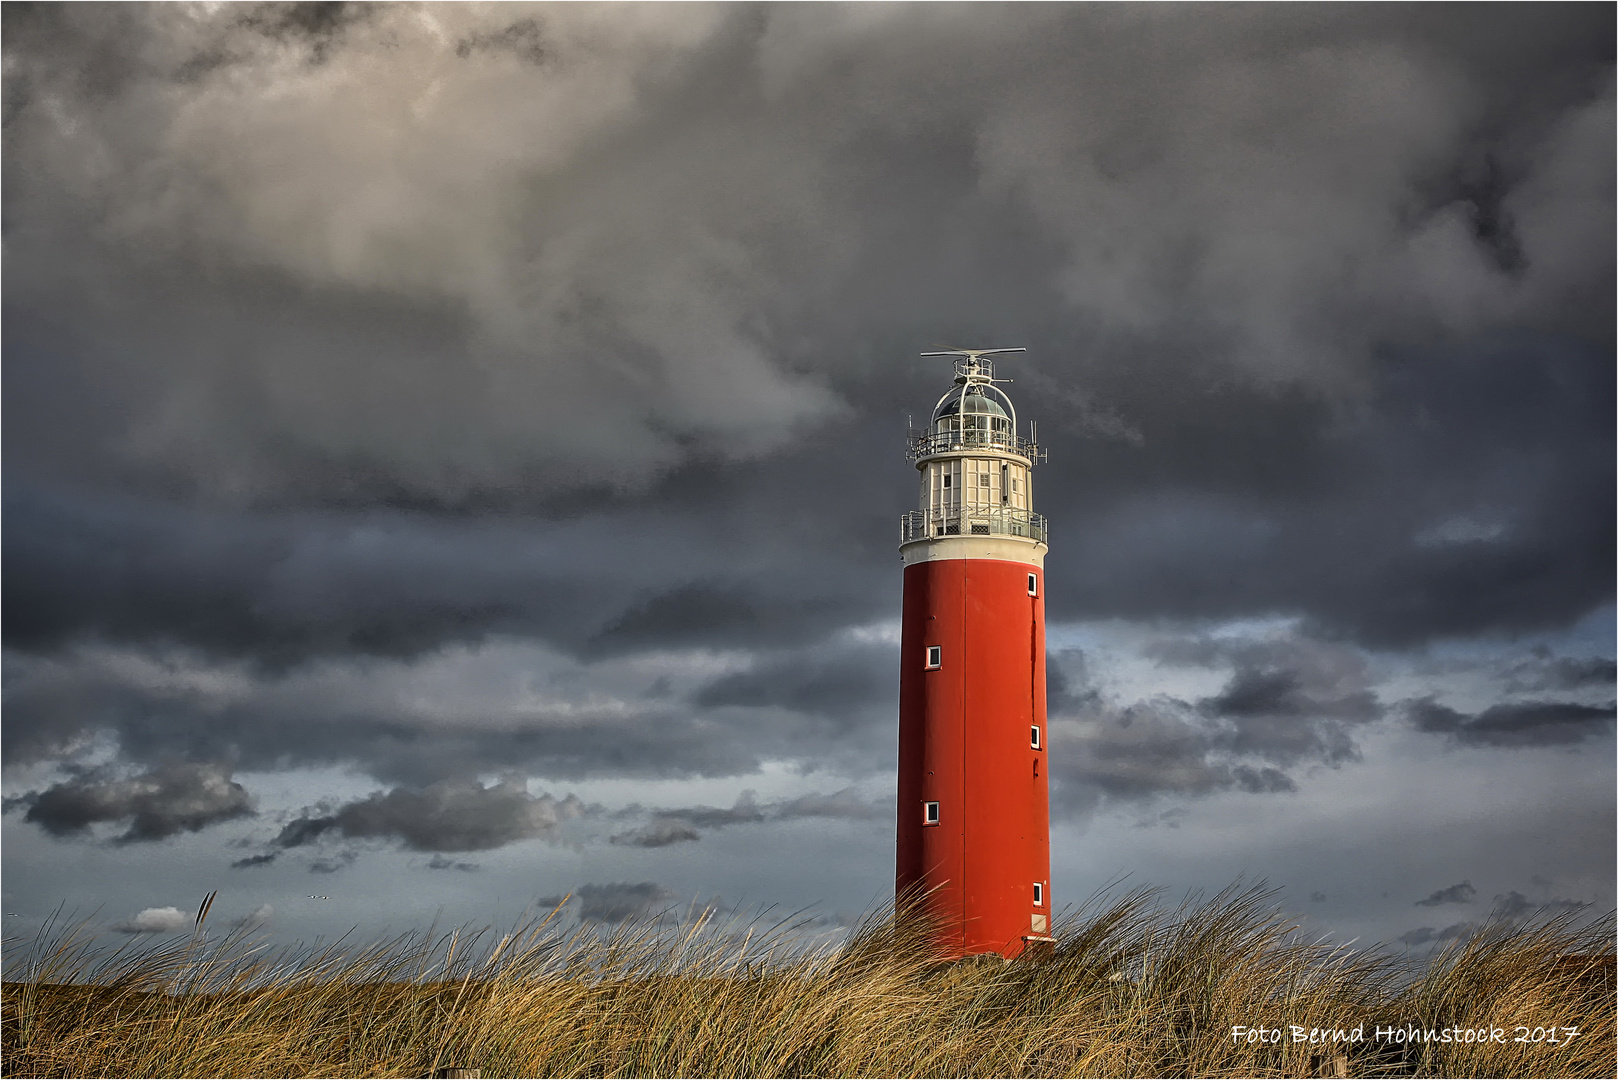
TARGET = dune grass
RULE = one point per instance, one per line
(1132, 988)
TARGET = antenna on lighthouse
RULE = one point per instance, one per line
(972, 367)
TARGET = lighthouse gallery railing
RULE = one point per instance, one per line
(971, 521)
(943, 442)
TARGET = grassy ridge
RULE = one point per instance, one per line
(1132, 989)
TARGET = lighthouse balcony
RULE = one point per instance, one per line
(971, 521)
(943, 442)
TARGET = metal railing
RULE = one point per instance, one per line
(943, 442)
(971, 521)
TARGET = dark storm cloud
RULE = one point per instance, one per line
(706, 613)
(1455, 894)
(281, 588)
(844, 679)
(1526, 723)
(507, 705)
(157, 804)
(1279, 457)
(446, 816)
(409, 329)
(1471, 491)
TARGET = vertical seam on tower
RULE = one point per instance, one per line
(966, 629)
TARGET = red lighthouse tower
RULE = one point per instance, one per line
(974, 811)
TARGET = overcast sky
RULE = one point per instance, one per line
(453, 454)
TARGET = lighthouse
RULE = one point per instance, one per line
(973, 851)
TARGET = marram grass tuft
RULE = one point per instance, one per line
(1132, 988)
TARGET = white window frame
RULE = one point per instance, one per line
(1034, 737)
(931, 812)
(1039, 894)
(1033, 584)
(935, 658)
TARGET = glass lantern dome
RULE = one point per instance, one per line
(974, 417)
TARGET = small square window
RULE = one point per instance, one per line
(1041, 924)
(983, 479)
(935, 657)
(929, 813)
(1033, 584)
(1033, 736)
(1039, 894)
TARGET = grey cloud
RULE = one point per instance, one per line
(440, 862)
(1526, 723)
(1067, 682)
(157, 804)
(1427, 935)
(1510, 907)
(1292, 675)
(665, 291)
(1543, 672)
(1262, 781)
(1455, 894)
(342, 860)
(1148, 748)
(744, 810)
(659, 833)
(846, 803)
(1290, 700)
(617, 901)
(682, 825)
(256, 918)
(1516, 907)
(446, 816)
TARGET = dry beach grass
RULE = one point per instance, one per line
(1133, 988)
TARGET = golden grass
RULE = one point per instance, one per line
(1131, 989)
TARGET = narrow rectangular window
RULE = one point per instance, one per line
(935, 657)
(946, 479)
(1039, 894)
(1033, 736)
(1033, 584)
(929, 813)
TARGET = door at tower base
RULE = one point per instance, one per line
(973, 852)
